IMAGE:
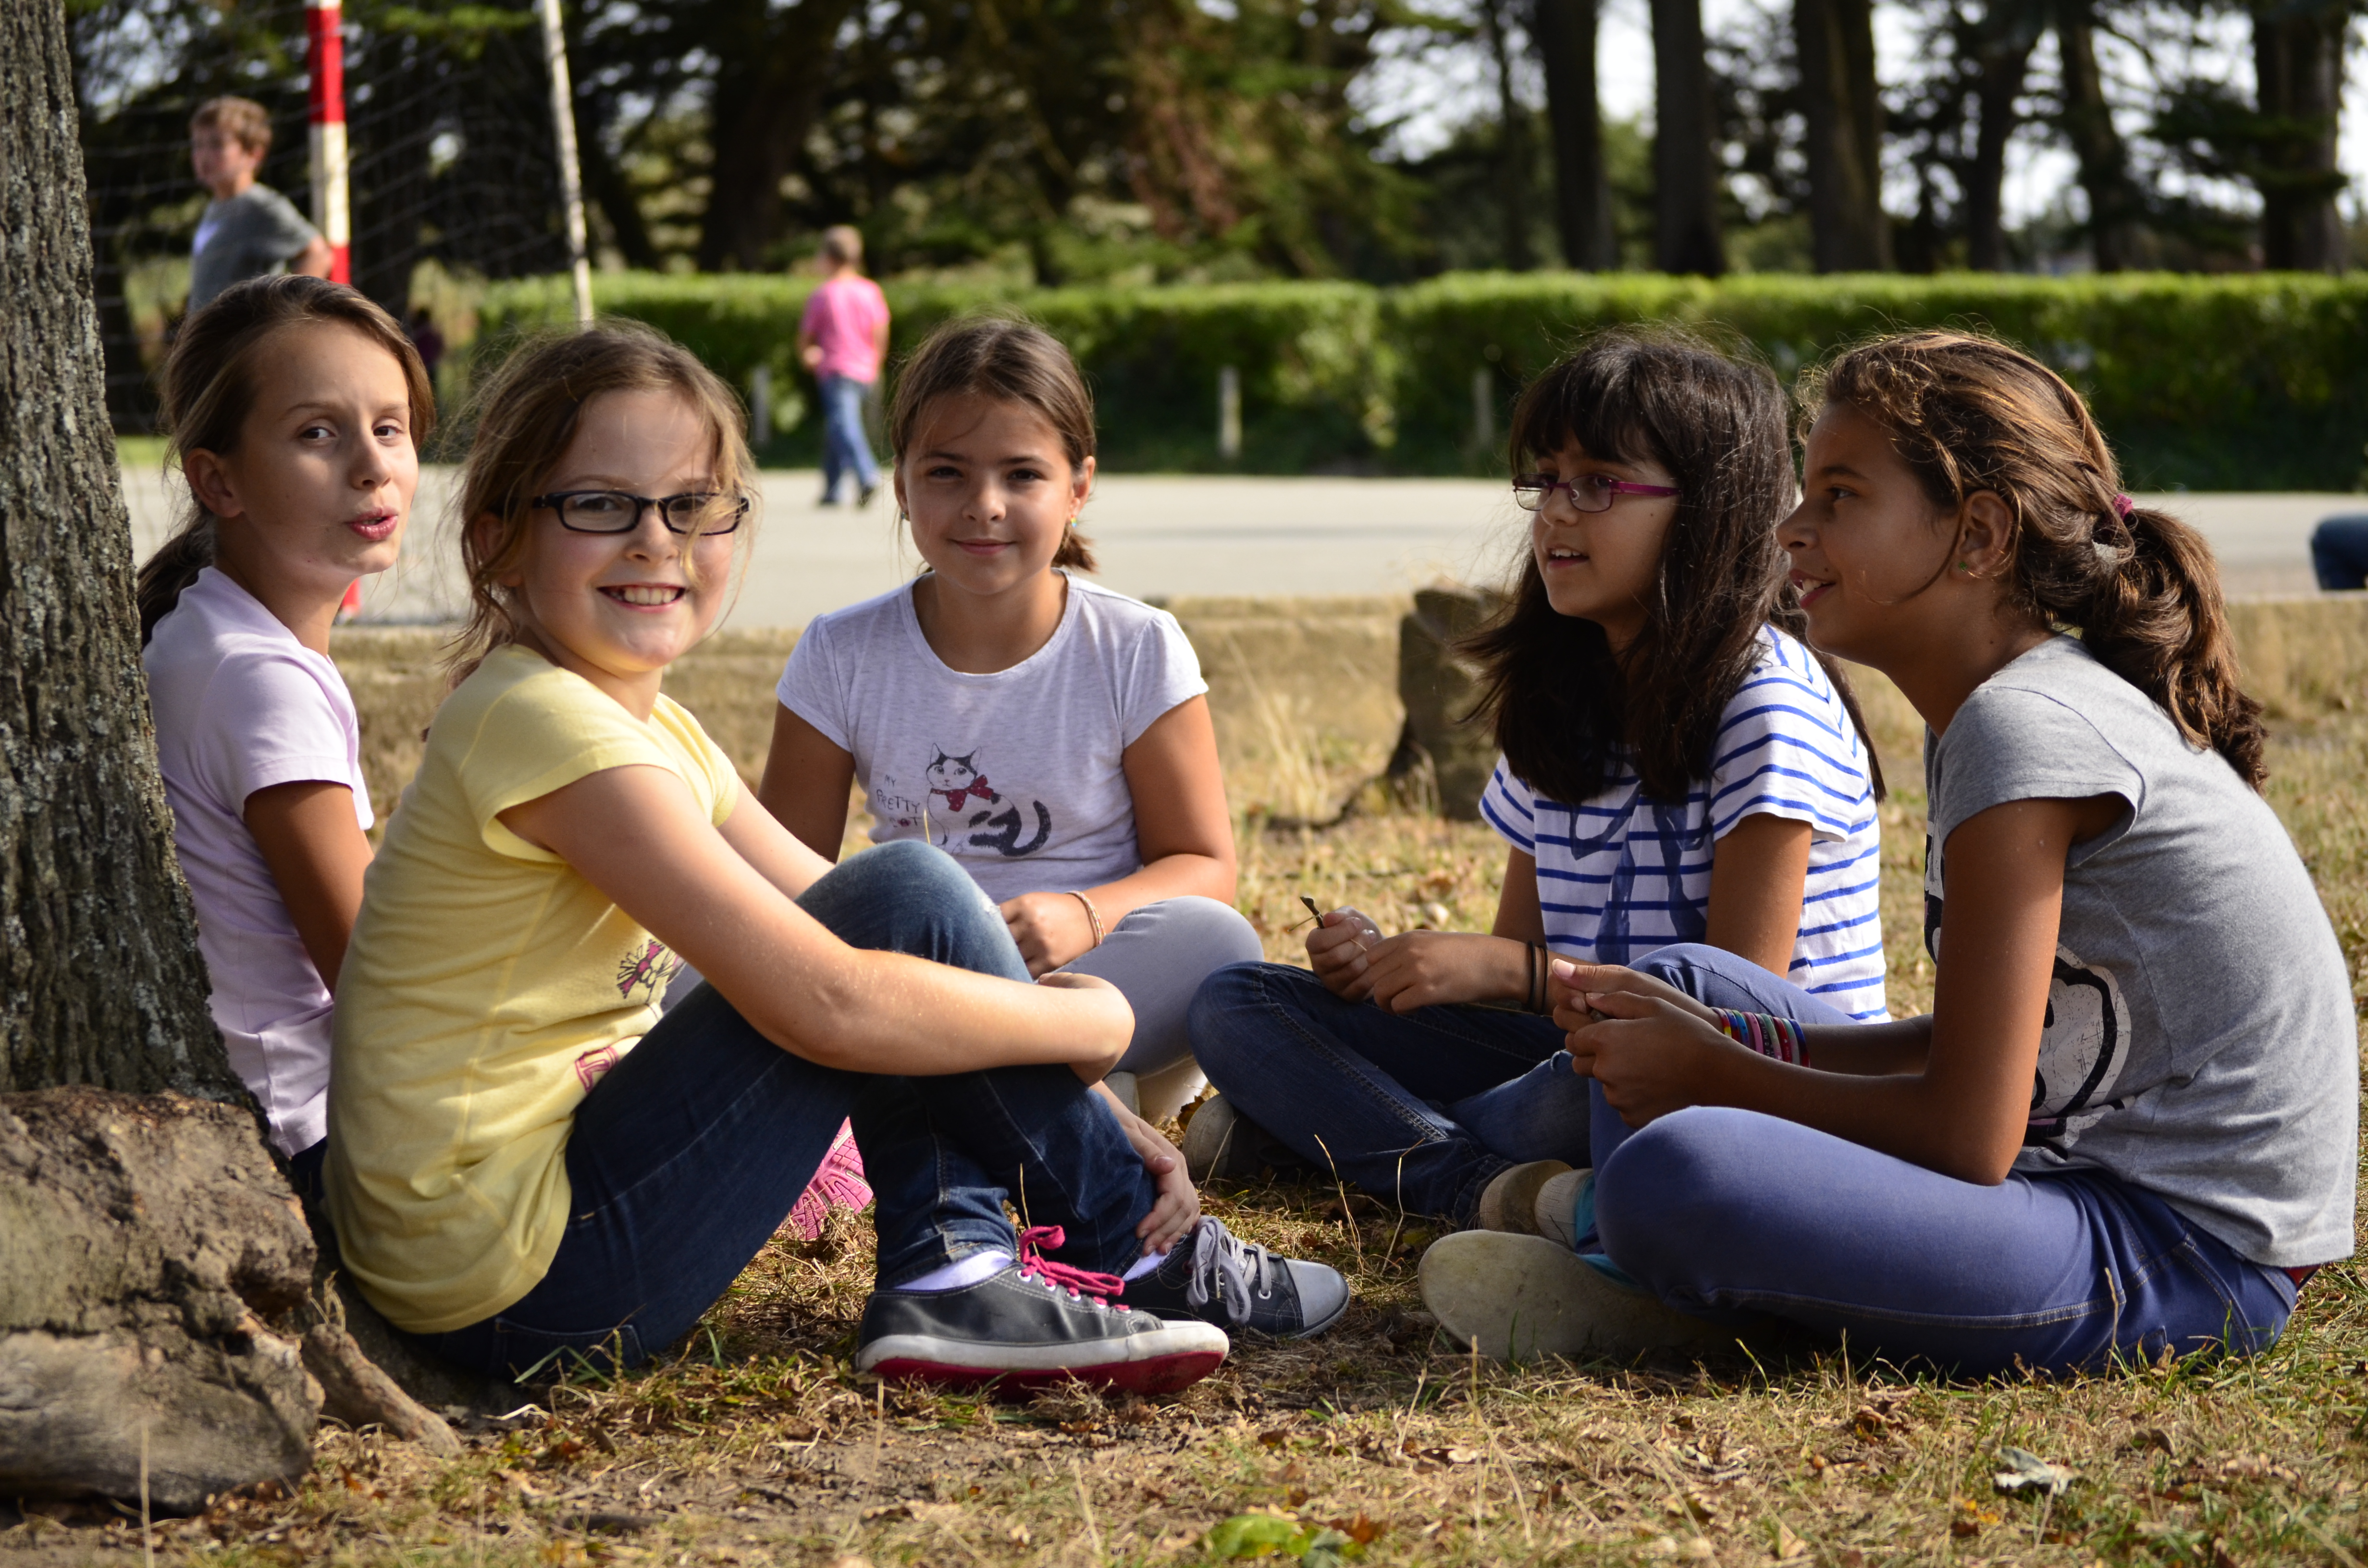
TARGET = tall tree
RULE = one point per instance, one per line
(1515, 174)
(1565, 31)
(2002, 42)
(1685, 151)
(2116, 207)
(772, 67)
(1848, 230)
(100, 981)
(2298, 69)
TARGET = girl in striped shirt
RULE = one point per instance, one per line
(1678, 772)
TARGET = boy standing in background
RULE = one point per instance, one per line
(247, 229)
(843, 338)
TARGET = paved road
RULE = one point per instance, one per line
(1168, 535)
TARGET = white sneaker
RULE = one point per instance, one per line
(1518, 1298)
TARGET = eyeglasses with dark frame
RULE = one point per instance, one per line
(1589, 491)
(697, 512)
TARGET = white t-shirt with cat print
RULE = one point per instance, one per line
(1018, 774)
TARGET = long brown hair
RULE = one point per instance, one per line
(1969, 413)
(209, 389)
(1009, 360)
(526, 416)
(1563, 706)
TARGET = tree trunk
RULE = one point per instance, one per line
(2005, 59)
(2114, 208)
(2298, 63)
(1564, 30)
(100, 981)
(768, 87)
(1847, 228)
(1514, 180)
(1685, 153)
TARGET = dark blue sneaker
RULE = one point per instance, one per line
(1035, 1321)
(1217, 1277)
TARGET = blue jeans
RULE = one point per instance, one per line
(1724, 1211)
(1422, 1108)
(2339, 553)
(687, 1156)
(846, 444)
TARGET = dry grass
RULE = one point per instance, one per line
(757, 1444)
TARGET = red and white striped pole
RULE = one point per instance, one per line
(331, 214)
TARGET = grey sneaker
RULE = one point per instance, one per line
(1518, 1298)
(1509, 1202)
(1124, 1086)
(1221, 1142)
(1217, 1277)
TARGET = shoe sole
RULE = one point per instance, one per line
(1174, 1359)
(1510, 1202)
(1519, 1298)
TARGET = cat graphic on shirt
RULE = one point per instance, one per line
(966, 808)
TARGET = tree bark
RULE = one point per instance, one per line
(1514, 179)
(2298, 65)
(1847, 228)
(1564, 30)
(100, 981)
(2005, 59)
(772, 66)
(2114, 208)
(1685, 153)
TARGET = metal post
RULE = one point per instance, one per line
(571, 178)
(1484, 410)
(332, 213)
(760, 405)
(1229, 413)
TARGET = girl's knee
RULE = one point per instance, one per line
(1684, 964)
(1216, 931)
(1672, 1188)
(1220, 1016)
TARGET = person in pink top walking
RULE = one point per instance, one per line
(842, 339)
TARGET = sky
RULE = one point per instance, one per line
(1446, 88)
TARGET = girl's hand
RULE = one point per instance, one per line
(1178, 1208)
(1652, 1056)
(1573, 991)
(1103, 997)
(1424, 969)
(1337, 948)
(1050, 928)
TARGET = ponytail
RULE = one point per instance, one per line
(2159, 621)
(1076, 552)
(168, 574)
(1968, 413)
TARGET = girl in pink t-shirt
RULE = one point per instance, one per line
(296, 408)
(842, 339)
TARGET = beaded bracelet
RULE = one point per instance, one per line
(1779, 1039)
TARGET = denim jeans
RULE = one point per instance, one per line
(1724, 1211)
(846, 444)
(2339, 552)
(1422, 1108)
(687, 1156)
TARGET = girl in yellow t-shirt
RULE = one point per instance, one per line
(526, 1161)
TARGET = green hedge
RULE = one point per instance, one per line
(2228, 382)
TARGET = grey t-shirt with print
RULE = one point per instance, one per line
(2200, 1040)
(256, 231)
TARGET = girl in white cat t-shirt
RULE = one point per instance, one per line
(1050, 734)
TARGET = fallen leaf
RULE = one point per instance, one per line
(1788, 1545)
(2027, 1471)
(888, 1511)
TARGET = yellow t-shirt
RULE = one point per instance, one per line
(487, 987)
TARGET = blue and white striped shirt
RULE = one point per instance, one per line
(1620, 875)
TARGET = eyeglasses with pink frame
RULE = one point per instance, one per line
(1589, 491)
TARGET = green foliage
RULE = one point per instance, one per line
(2209, 382)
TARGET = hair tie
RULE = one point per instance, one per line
(2123, 505)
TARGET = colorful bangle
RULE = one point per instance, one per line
(1780, 1040)
(1093, 916)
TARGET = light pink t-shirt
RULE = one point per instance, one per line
(241, 706)
(842, 316)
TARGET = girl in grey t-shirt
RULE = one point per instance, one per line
(2130, 1124)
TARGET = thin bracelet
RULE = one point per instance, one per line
(1530, 984)
(1782, 1039)
(1539, 965)
(1093, 916)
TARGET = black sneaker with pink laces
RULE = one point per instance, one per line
(1034, 1322)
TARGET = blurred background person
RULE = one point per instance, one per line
(248, 229)
(843, 338)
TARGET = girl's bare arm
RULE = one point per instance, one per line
(1757, 875)
(637, 835)
(805, 783)
(318, 855)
